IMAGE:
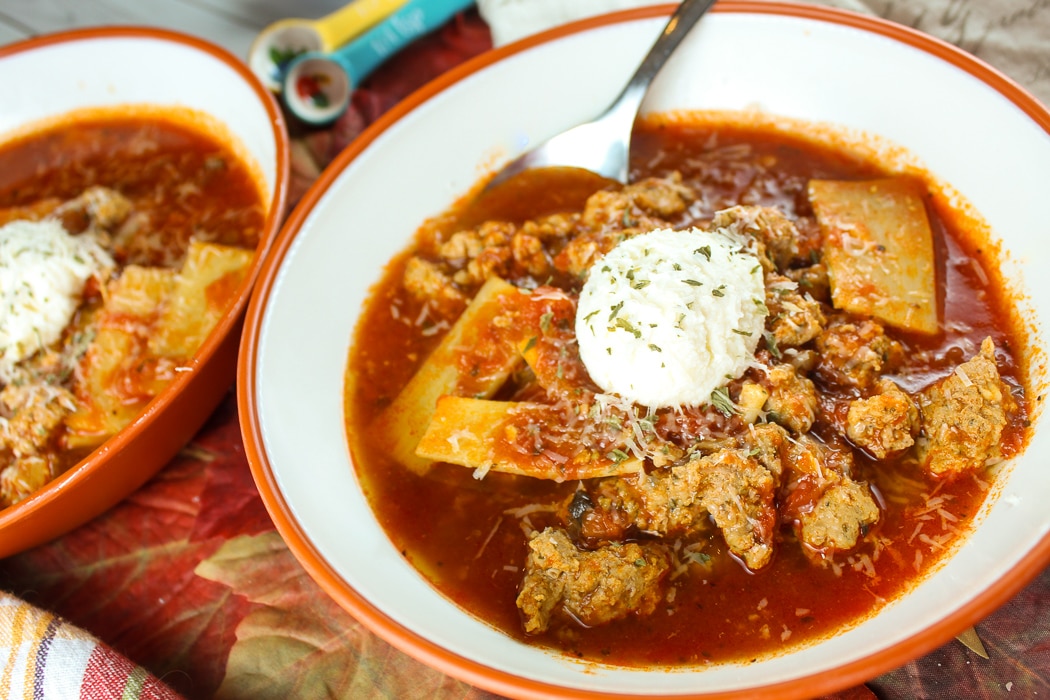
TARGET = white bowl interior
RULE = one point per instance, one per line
(118, 70)
(991, 152)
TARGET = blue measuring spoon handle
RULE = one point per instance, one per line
(316, 87)
(414, 19)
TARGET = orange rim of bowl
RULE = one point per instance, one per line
(79, 478)
(468, 670)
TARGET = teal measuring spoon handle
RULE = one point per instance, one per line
(316, 86)
(414, 19)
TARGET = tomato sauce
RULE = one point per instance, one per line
(182, 181)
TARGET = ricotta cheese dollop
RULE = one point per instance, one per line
(43, 270)
(667, 317)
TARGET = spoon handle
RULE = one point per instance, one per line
(338, 27)
(409, 22)
(685, 16)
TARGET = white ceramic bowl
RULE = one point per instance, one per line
(42, 79)
(969, 125)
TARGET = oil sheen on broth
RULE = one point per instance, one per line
(810, 488)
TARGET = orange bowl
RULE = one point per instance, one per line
(50, 76)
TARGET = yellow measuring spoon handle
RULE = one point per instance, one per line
(344, 24)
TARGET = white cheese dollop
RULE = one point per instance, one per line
(43, 270)
(667, 317)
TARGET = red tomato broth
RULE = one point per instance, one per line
(458, 532)
(184, 179)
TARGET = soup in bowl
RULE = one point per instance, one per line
(762, 421)
(139, 194)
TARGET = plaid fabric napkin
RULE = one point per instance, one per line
(43, 657)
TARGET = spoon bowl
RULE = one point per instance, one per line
(317, 87)
(603, 145)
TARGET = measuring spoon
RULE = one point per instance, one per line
(276, 45)
(317, 86)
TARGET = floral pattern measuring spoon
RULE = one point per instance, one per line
(317, 86)
(278, 44)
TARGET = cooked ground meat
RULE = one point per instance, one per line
(792, 398)
(595, 587)
(666, 501)
(766, 444)
(829, 509)
(29, 414)
(425, 281)
(637, 203)
(459, 265)
(794, 318)
(609, 217)
(812, 280)
(98, 208)
(501, 248)
(730, 487)
(807, 455)
(530, 255)
(468, 244)
(963, 416)
(838, 517)
(777, 233)
(857, 353)
(885, 423)
(95, 208)
(734, 489)
(739, 493)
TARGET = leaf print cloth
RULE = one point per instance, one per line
(189, 580)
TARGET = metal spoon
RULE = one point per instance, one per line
(603, 145)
